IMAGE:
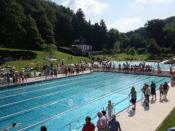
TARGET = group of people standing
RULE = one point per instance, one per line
(10, 75)
(104, 123)
(149, 90)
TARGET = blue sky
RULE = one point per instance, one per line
(124, 15)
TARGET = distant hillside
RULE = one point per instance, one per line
(158, 35)
(30, 24)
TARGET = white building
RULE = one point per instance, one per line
(83, 48)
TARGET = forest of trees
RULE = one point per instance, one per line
(31, 24)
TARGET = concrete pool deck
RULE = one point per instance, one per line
(147, 120)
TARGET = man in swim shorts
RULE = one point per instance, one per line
(133, 95)
(153, 90)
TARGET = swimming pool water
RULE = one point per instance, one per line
(58, 103)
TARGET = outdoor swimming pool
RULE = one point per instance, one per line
(57, 103)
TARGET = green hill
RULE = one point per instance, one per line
(36, 58)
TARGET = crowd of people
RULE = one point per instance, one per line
(128, 67)
(52, 71)
(104, 123)
(10, 75)
(151, 91)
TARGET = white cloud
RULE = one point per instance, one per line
(151, 1)
(89, 7)
(127, 24)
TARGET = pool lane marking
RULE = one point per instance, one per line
(102, 97)
(45, 95)
(46, 83)
(17, 102)
(35, 85)
(59, 114)
(53, 103)
(25, 111)
(56, 86)
(50, 94)
(45, 105)
(53, 87)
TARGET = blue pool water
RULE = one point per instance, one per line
(58, 103)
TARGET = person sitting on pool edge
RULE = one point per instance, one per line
(133, 95)
(88, 126)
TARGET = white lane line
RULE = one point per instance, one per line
(47, 88)
(50, 87)
(44, 105)
(59, 114)
(46, 83)
(50, 94)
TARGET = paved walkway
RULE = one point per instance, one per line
(148, 120)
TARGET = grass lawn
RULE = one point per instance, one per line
(40, 59)
(168, 122)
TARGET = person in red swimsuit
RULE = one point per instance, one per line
(88, 126)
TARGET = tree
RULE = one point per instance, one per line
(117, 47)
(137, 41)
(50, 50)
(33, 39)
(63, 28)
(103, 34)
(11, 24)
(132, 51)
(169, 31)
(79, 23)
(155, 30)
(96, 37)
(153, 47)
(45, 28)
(112, 37)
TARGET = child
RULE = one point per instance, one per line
(110, 109)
